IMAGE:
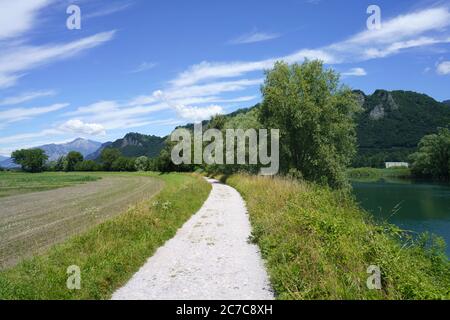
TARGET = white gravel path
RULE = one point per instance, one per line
(209, 257)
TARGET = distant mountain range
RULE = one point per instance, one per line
(83, 146)
(132, 145)
(55, 151)
(389, 129)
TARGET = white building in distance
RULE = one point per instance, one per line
(397, 165)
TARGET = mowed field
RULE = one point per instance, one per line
(107, 253)
(32, 221)
(12, 183)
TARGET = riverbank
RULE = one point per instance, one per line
(318, 244)
(375, 174)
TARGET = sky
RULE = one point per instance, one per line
(148, 66)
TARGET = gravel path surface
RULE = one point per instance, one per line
(209, 257)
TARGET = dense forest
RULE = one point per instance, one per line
(392, 124)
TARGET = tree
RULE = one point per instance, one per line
(31, 160)
(108, 156)
(315, 116)
(433, 157)
(72, 159)
(87, 165)
(141, 163)
(60, 164)
(123, 164)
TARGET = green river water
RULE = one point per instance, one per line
(410, 205)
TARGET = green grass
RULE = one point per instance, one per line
(110, 253)
(375, 174)
(12, 183)
(318, 244)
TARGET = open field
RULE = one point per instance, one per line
(32, 222)
(318, 244)
(12, 183)
(109, 253)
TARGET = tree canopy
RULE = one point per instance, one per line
(315, 116)
(433, 157)
(31, 160)
(72, 159)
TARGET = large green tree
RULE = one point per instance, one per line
(315, 116)
(72, 159)
(31, 160)
(108, 157)
(433, 157)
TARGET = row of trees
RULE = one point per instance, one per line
(35, 160)
(316, 119)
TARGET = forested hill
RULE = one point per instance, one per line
(134, 145)
(390, 126)
(393, 123)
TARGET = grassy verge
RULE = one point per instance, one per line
(374, 174)
(318, 244)
(110, 253)
(12, 183)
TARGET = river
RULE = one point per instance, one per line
(410, 205)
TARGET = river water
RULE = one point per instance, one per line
(410, 205)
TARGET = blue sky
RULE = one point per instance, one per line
(147, 66)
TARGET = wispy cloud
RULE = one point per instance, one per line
(29, 57)
(18, 114)
(254, 36)
(17, 17)
(25, 97)
(144, 66)
(422, 28)
(107, 9)
(354, 72)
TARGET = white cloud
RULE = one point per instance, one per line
(28, 136)
(443, 68)
(28, 57)
(107, 10)
(25, 97)
(79, 127)
(354, 72)
(254, 36)
(197, 114)
(17, 17)
(18, 114)
(397, 34)
(404, 26)
(144, 66)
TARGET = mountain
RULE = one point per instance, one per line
(447, 102)
(7, 163)
(83, 146)
(95, 155)
(393, 122)
(134, 145)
